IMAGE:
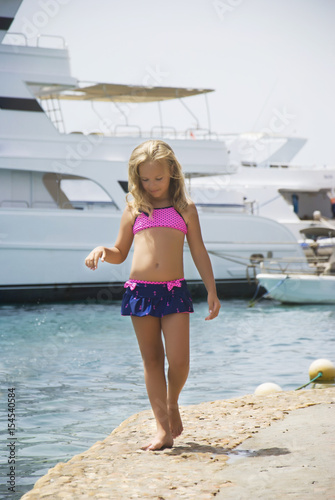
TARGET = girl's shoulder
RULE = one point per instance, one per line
(129, 214)
(189, 212)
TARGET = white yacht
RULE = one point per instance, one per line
(63, 192)
(267, 183)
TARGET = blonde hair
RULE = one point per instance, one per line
(148, 151)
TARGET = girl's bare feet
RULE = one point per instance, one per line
(160, 441)
(176, 424)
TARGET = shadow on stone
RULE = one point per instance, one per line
(198, 448)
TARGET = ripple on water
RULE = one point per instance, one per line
(78, 372)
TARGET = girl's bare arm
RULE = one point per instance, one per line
(118, 253)
(201, 259)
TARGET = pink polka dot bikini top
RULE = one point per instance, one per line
(161, 217)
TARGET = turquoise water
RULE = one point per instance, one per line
(78, 374)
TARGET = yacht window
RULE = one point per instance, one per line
(46, 190)
(84, 193)
(71, 192)
(124, 185)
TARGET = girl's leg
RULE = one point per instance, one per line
(176, 333)
(148, 332)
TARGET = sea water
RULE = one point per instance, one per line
(77, 371)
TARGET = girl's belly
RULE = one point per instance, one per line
(158, 256)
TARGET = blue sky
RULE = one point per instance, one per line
(271, 62)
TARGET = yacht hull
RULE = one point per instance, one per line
(108, 292)
(299, 288)
(44, 253)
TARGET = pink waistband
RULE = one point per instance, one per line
(170, 284)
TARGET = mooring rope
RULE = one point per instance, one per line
(313, 380)
(253, 301)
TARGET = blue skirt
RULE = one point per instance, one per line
(156, 299)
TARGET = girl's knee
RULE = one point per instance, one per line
(153, 363)
(179, 365)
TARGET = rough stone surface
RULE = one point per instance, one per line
(196, 467)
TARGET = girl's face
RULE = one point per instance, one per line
(155, 179)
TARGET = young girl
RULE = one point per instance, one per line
(158, 218)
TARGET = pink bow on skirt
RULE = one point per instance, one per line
(171, 284)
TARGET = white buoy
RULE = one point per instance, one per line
(327, 369)
(267, 388)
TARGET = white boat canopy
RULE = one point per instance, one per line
(112, 92)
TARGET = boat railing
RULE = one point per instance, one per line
(26, 204)
(51, 205)
(245, 207)
(172, 133)
(14, 204)
(20, 39)
(54, 112)
(294, 266)
(202, 133)
(89, 205)
(155, 132)
(266, 263)
(56, 38)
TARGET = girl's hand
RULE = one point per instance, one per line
(214, 306)
(92, 259)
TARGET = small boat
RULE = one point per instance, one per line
(316, 286)
(299, 288)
